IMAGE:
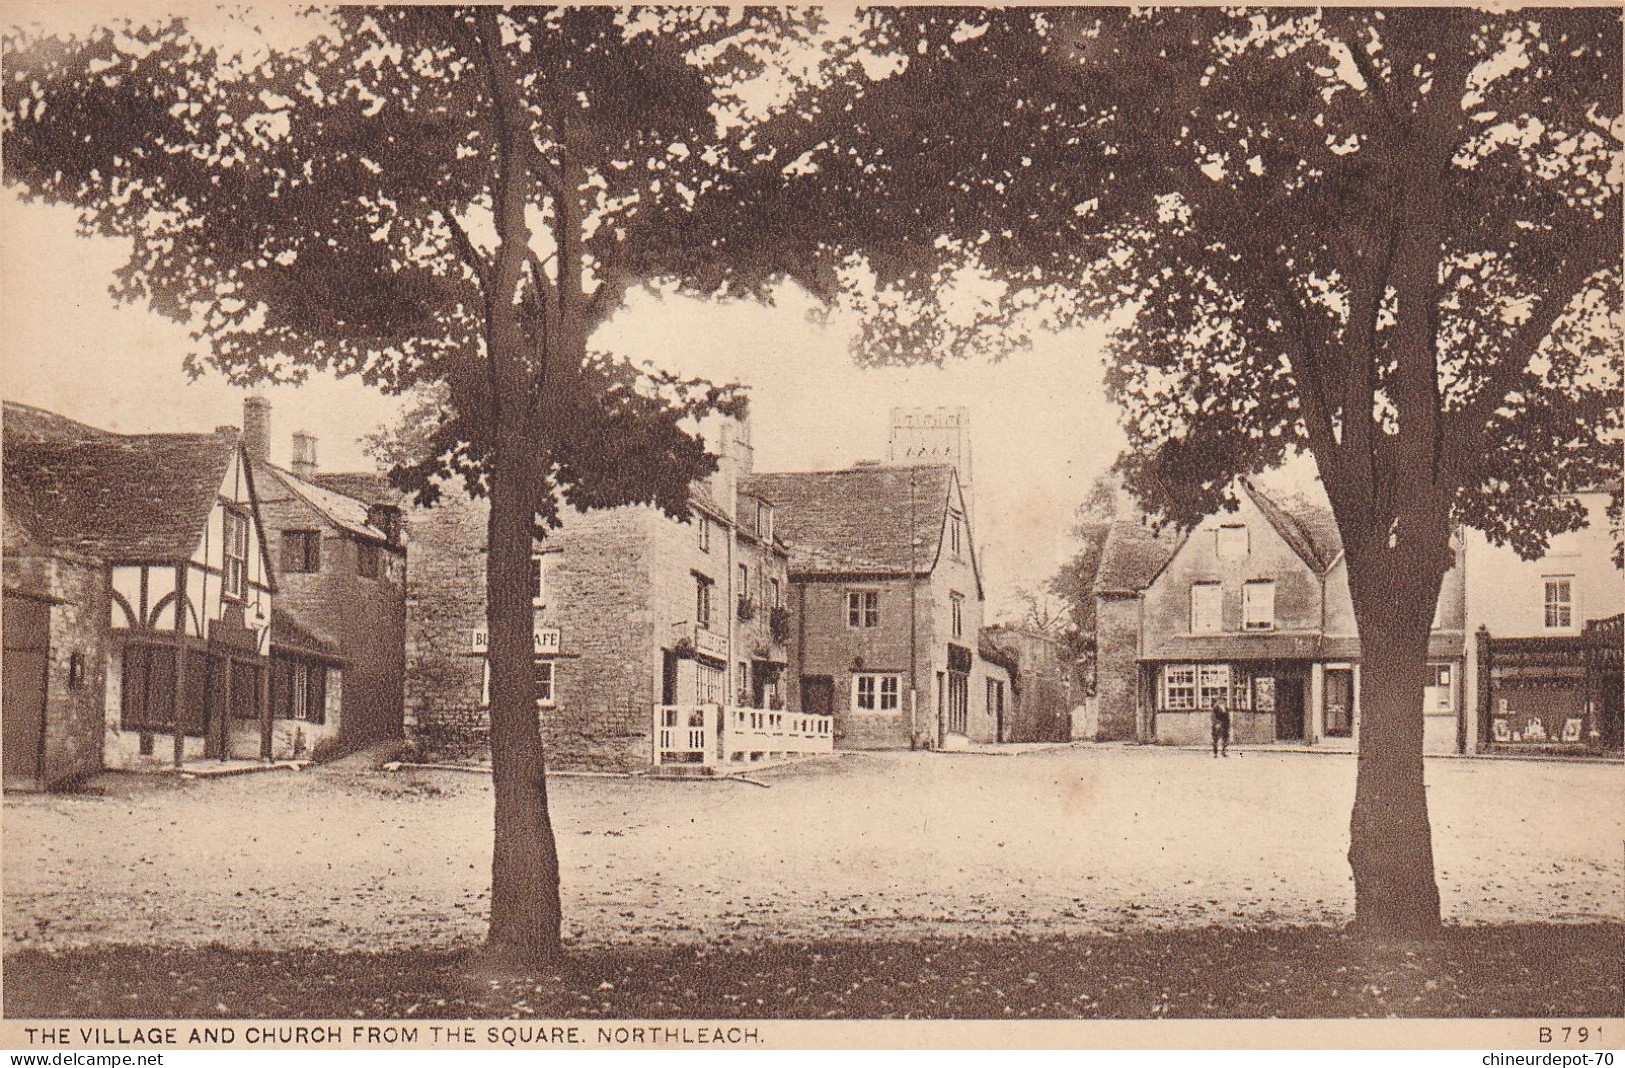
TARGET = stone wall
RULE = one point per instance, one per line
(77, 635)
(1117, 678)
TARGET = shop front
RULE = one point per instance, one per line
(1268, 700)
(1558, 694)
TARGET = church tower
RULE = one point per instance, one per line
(934, 436)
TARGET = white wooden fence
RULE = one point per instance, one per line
(708, 735)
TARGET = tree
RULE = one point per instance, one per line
(1074, 581)
(451, 196)
(1388, 239)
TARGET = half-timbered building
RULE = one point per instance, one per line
(140, 565)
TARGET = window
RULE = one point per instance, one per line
(540, 565)
(366, 559)
(546, 687)
(1439, 682)
(1213, 685)
(299, 691)
(958, 603)
(301, 551)
(955, 540)
(1179, 687)
(546, 693)
(877, 692)
(147, 696)
(235, 534)
(1231, 541)
(776, 594)
(704, 525)
(863, 608)
(764, 521)
(743, 688)
(709, 683)
(1258, 606)
(1559, 602)
(744, 586)
(1207, 605)
(702, 601)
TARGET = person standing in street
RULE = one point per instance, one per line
(1221, 728)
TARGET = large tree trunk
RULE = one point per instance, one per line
(1394, 589)
(525, 911)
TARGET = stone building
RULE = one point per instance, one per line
(138, 601)
(633, 610)
(1251, 607)
(886, 598)
(1043, 683)
(340, 561)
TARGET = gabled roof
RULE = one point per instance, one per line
(113, 496)
(1132, 556)
(348, 513)
(861, 521)
(1309, 527)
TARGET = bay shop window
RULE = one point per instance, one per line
(1194, 687)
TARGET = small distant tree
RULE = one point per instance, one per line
(436, 195)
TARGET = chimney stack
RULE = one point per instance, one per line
(304, 455)
(257, 427)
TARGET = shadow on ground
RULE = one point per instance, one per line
(1520, 970)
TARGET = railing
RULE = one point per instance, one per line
(707, 735)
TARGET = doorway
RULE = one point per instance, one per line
(818, 695)
(27, 631)
(1339, 702)
(1289, 710)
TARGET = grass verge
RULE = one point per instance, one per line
(1523, 970)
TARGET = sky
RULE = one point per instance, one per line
(1041, 427)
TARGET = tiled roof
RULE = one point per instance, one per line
(343, 511)
(113, 496)
(362, 485)
(1132, 556)
(1308, 526)
(288, 631)
(864, 520)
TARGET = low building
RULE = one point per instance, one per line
(138, 601)
(1251, 608)
(1043, 687)
(340, 561)
(886, 598)
(1544, 670)
(637, 617)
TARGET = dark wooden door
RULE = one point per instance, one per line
(1339, 702)
(668, 678)
(22, 695)
(818, 695)
(1289, 709)
(958, 703)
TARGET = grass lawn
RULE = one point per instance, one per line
(1517, 970)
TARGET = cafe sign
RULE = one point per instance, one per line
(546, 640)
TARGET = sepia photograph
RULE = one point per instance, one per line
(811, 526)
